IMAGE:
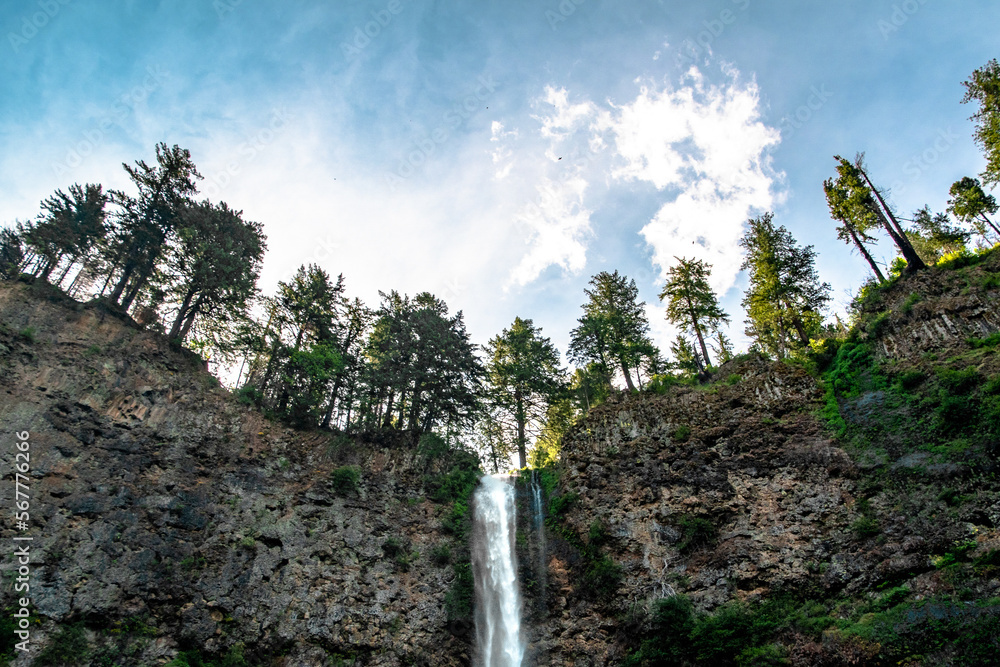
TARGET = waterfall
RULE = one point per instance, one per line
(498, 602)
(538, 519)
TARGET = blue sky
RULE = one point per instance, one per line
(498, 154)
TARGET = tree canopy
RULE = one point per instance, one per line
(983, 87)
(613, 330)
(524, 380)
(691, 302)
(785, 296)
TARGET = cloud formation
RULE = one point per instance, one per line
(707, 146)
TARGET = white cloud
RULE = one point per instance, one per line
(707, 145)
(555, 228)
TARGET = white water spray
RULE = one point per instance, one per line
(498, 602)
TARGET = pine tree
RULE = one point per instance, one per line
(933, 235)
(971, 205)
(784, 298)
(984, 87)
(146, 220)
(691, 302)
(213, 270)
(613, 329)
(524, 378)
(11, 251)
(849, 205)
(863, 206)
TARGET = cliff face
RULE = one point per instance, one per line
(740, 491)
(166, 516)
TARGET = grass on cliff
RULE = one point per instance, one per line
(893, 628)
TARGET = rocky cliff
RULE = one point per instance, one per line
(863, 488)
(166, 517)
(837, 509)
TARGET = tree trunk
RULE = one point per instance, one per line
(864, 253)
(193, 312)
(182, 312)
(388, 410)
(628, 377)
(701, 343)
(913, 261)
(990, 223)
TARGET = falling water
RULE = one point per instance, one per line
(538, 519)
(498, 603)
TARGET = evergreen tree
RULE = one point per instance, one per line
(849, 204)
(613, 329)
(214, 266)
(854, 196)
(524, 378)
(934, 235)
(691, 302)
(686, 358)
(146, 220)
(784, 297)
(70, 226)
(971, 205)
(11, 251)
(984, 87)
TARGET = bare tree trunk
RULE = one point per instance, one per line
(864, 253)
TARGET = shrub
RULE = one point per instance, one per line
(910, 379)
(27, 334)
(959, 381)
(344, 480)
(682, 433)
(910, 300)
(696, 532)
(602, 578)
(249, 395)
(441, 554)
(68, 646)
(865, 527)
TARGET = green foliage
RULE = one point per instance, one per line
(559, 505)
(990, 342)
(344, 480)
(233, 658)
(458, 602)
(909, 303)
(249, 395)
(696, 532)
(398, 551)
(68, 646)
(785, 296)
(865, 526)
(601, 578)
(441, 555)
(734, 379)
(27, 334)
(613, 331)
(525, 379)
(682, 433)
(691, 303)
(983, 87)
